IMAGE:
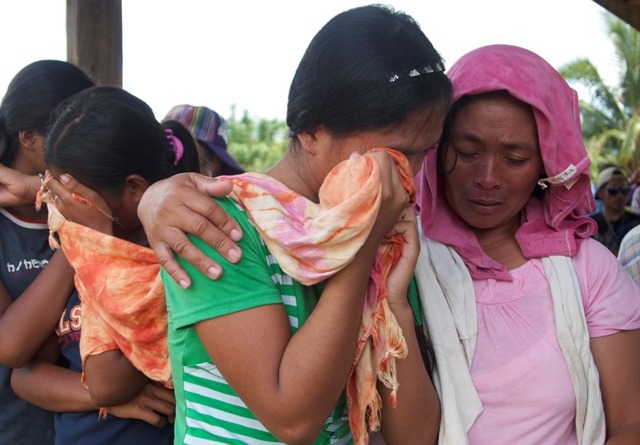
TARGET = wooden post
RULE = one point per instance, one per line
(626, 10)
(94, 38)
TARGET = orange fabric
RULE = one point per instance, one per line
(123, 303)
(122, 295)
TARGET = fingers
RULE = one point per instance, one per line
(218, 188)
(160, 400)
(165, 256)
(403, 270)
(154, 404)
(393, 196)
(182, 204)
(172, 238)
(93, 212)
(163, 393)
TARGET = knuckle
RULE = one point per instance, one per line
(221, 245)
(199, 226)
(181, 245)
(214, 212)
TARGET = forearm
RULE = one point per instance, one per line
(302, 376)
(617, 358)
(30, 319)
(628, 434)
(17, 189)
(112, 379)
(416, 418)
(330, 336)
(51, 387)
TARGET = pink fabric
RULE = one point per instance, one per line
(558, 224)
(518, 365)
(313, 241)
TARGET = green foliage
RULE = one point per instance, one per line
(256, 143)
(611, 120)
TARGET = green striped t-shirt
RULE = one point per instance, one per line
(208, 411)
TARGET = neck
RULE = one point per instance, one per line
(295, 174)
(612, 215)
(500, 244)
(136, 235)
(28, 212)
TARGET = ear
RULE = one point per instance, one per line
(30, 139)
(309, 141)
(135, 186)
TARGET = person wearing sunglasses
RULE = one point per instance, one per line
(614, 221)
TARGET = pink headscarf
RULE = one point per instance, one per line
(557, 224)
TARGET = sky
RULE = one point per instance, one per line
(243, 53)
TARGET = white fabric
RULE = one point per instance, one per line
(573, 336)
(449, 309)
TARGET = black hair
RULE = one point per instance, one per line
(32, 95)
(368, 68)
(104, 134)
(445, 139)
(344, 80)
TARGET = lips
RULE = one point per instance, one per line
(484, 205)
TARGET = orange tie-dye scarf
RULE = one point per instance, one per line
(123, 299)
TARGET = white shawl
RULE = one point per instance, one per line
(449, 310)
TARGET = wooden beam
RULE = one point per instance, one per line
(626, 10)
(94, 38)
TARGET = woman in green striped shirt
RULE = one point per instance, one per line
(259, 358)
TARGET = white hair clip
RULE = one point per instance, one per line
(415, 72)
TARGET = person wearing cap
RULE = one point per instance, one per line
(614, 221)
(210, 130)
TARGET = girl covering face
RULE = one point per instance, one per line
(110, 141)
(369, 79)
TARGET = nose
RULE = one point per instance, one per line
(416, 162)
(487, 174)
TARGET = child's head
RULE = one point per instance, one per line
(367, 68)
(110, 141)
(32, 95)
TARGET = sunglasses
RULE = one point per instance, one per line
(613, 191)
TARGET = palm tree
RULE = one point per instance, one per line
(611, 120)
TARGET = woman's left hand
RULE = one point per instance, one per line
(401, 274)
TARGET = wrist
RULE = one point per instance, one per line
(401, 310)
(32, 189)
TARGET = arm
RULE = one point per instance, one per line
(27, 322)
(51, 387)
(24, 323)
(57, 389)
(182, 204)
(617, 358)
(416, 418)
(16, 188)
(301, 376)
(112, 379)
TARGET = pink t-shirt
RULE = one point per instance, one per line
(518, 367)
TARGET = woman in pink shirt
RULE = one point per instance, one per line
(549, 352)
(535, 326)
